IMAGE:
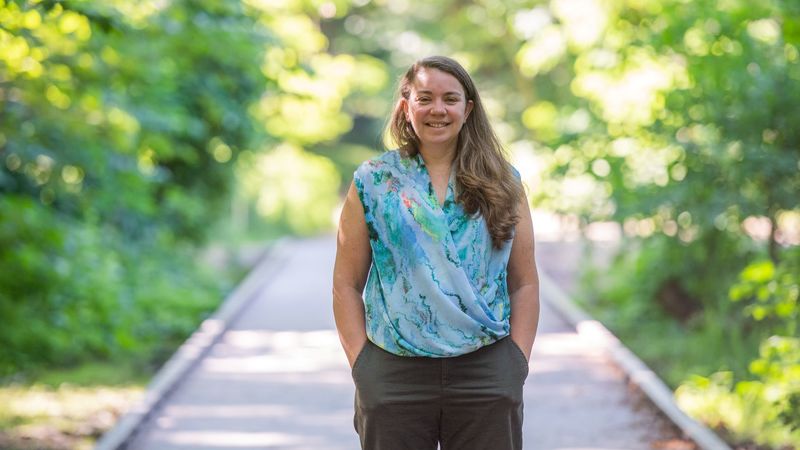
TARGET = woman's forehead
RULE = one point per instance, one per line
(435, 81)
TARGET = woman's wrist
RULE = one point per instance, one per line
(525, 343)
(355, 349)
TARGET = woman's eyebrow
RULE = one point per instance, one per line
(427, 92)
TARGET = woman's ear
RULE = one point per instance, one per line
(406, 113)
(470, 105)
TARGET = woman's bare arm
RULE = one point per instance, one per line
(353, 258)
(523, 283)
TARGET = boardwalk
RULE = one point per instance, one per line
(278, 379)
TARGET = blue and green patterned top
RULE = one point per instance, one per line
(437, 286)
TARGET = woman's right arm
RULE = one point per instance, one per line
(353, 258)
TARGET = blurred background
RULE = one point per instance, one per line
(146, 145)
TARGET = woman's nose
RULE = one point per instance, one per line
(438, 107)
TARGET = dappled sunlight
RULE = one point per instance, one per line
(230, 439)
(299, 30)
(789, 227)
(584, 20)
(301, 119)
(566, 343)
(65, 417)
(580, 24)
(577, 191)
(542, 119)
(280, 352)
(292, 186)
(67, 402)
(223, 411)
(542, 52)
(548, 226)
(322, 339)
(309, 109)
(256, 385)
(570, 356)
(554, 227)
(587, 447)
(525, 159)
(603, 231)
(765, 30)
(634, 95)
(141, 11)
(529, 22)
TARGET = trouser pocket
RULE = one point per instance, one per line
(359, 358)
(521, 358)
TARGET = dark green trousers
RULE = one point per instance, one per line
(467, 402)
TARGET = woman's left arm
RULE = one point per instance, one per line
(523, 282)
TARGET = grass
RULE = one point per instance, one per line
(67, 408)
(96, 373)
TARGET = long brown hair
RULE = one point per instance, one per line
(485, 183)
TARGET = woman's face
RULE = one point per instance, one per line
(437, 109)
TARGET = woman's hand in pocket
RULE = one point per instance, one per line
(353, 356)
(524, 348)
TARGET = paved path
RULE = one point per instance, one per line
(279, 380)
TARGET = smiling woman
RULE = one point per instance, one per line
(437, 237)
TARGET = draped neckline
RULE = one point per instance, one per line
(425, 178)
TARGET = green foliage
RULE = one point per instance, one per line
(771, 293)
(743, 338)
(125, 126)
(346, 158)
(119, 124)
(292, 187)
(656, 296)
(119, 373)
(81, 293)
(140, 112)
(764, 410)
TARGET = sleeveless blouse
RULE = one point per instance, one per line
(436, 285)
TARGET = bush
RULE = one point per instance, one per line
(79, 292)
(764, 410)
(732, 355)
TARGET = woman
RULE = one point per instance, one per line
(438, 237)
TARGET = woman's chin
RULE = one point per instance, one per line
(438, 140)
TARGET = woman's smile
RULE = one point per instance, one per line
(437, 124)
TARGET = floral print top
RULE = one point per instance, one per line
(437, 286)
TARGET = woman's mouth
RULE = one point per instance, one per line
(437, 124)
